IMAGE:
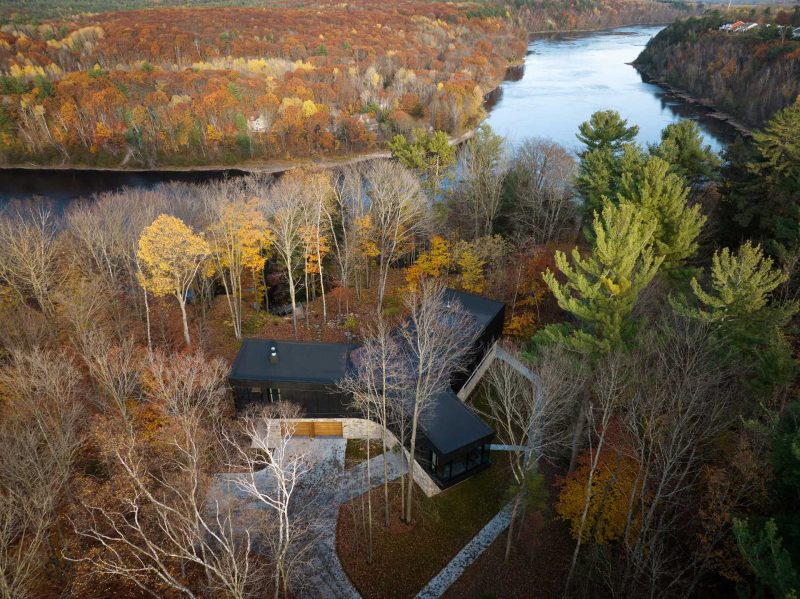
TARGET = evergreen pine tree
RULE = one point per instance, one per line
(662, 197)
(601, 289)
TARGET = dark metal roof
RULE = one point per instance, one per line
(447, 423)
(297, 361)
(450, 425)
(482, 309)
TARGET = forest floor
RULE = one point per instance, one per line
(540, 556)
(346, 317)
(405, 558)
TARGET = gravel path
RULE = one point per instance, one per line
(471, 551)
(323, 572)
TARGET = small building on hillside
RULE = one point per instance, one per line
(453, 442)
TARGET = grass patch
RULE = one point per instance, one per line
(405, 557)
(356, 451)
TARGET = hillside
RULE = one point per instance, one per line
(589, 15)
(748, 75)
(182, 86)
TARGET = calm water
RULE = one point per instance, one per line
(564, 80)
(568, 77)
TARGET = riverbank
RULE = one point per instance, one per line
(597, 29)
(271, 167)
(712, 111)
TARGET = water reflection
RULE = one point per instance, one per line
(567, 77)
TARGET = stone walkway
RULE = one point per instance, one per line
(328, 485)
(437, 586)
(321, 571)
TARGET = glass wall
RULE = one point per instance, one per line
(473, 459)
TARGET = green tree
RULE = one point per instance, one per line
(601, 289)
(761, 194)
(741, 286)
(600, 170)
(682, 147)
(738, 303)
(606, 129)
(771, 563)
(428, 154)
(662, 197)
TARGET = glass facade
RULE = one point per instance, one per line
(471, 460)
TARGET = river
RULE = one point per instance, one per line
(565, 79)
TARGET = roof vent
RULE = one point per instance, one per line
(447, 305)
(273, 354)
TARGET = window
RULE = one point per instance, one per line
(474, 458)
(274, 394)
(458, 466)
(255, 392)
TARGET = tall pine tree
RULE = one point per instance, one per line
(662, 196)
(601, 289)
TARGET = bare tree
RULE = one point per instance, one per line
(316, 198)
(397, 208)
(531, 412)
(187, 384)
(674, 415)
(609, 385)
(272, 477)
(168, 520)
(28, 253)
(482, 168)
(377, 381)
(541, 175)
(343, 216)
(285, 215)
(116, 369)
(39, 440)
(27, 508)
(437, 339)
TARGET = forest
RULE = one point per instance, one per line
(659, 312)
(749, 76)
(591, 15)
(192, 86)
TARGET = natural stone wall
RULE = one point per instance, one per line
(359, 428)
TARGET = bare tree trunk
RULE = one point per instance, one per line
(517, 501)
(186, 337)
(369, 502)
(147, 320)
(577, 435)
(294, 301)
(586, 504)
(412, 448)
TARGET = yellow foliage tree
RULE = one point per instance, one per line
(431, 264)
(169, 255)
(613, 483)
(471, 268)
(239, 239)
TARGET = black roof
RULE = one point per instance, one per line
(482, 309)
(297, 361)
(450, 425)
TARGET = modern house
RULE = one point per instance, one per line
(452, 441)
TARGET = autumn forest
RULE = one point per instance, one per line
(188, 86)
(611, 326)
